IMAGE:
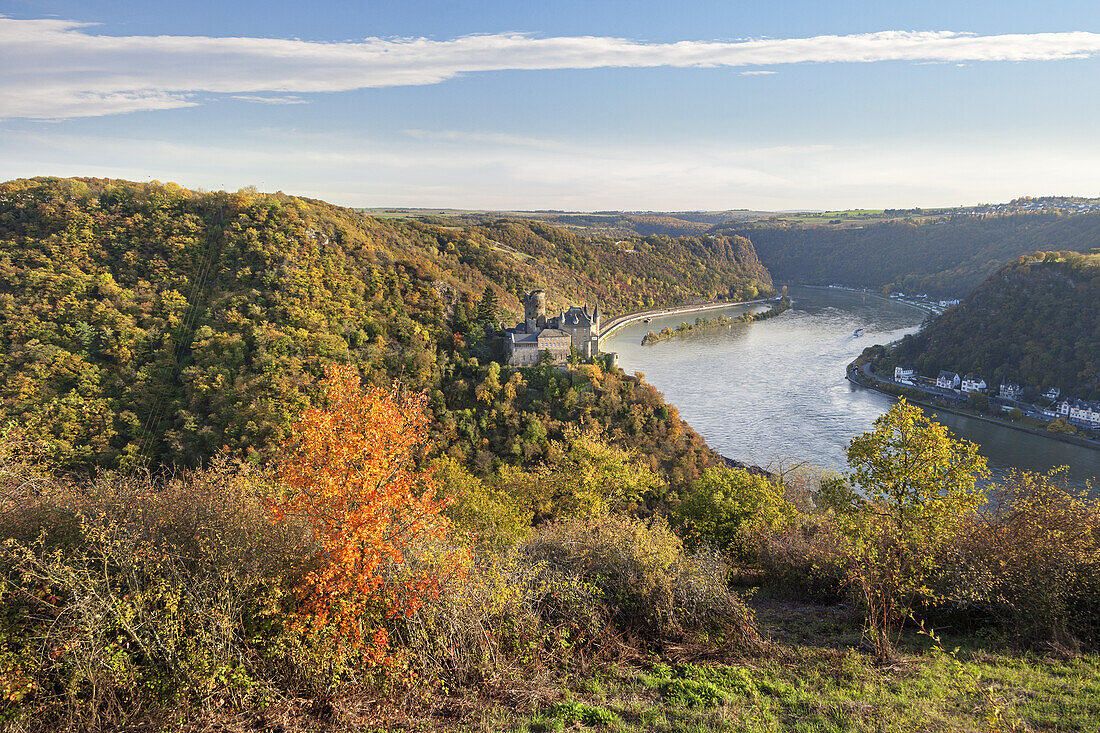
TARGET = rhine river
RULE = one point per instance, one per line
(774, 392)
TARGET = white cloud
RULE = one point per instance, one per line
(757, 73)
(52, 69)
(269, 100)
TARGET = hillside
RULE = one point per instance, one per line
(148, 321)
(1035, 321)
(943, 257)
(480, 548)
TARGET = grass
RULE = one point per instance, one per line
(818, 679)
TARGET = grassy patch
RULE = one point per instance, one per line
(817, 680)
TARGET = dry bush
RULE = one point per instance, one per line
(803, 559)
(650, 582)
(565, 599)
(1032, 560)
(140, 594)
(506, 619)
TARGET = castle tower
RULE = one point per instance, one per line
(534, 310)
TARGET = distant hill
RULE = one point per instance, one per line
(942, 256)
(1035, 322)
(149, 321)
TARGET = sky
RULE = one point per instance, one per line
(576, 105)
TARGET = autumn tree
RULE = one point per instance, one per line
(725, 504)
(349, 471)
(583, 476)
(911, 486)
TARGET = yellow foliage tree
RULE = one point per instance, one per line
(911, 487)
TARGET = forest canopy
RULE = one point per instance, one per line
(144, 321)
(945, 257)
(1035, 322)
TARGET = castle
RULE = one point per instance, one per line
(573, 328)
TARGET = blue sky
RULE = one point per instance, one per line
(569, 105)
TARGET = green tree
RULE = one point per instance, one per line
(978, 401)
(725, 504)
(488, 309)
(911, 484)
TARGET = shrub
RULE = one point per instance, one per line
(505, 618)
(143, 594)
(1032, 559)
(805, 558)
(349, 474)
(583, 476)
(483, 511)
(650, 582)
(726, 505)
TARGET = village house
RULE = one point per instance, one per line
(974, 384)
(948, 380)
(1011, 391)
(1081, 412)
(1052, 394)
(576, 328)
(904, 374)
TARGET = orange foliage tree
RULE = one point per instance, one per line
(349, 471)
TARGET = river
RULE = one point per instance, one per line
(774, 392)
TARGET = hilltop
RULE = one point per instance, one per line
(942, 256)
(1035, 321)
(943, 252)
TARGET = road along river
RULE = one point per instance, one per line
(775, 390)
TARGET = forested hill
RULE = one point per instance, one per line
(149, 321)
(943, 258)
(1035, 322)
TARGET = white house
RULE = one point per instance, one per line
(904, 374)
(1085, 412)
(948, 380)
(1011, 391)
(1064, 407)
(974, 384)
(1052, 394)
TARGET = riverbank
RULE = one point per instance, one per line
(619, 321)
(858, 375)
(715, 323)
(930, 308)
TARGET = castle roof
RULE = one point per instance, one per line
(577, 316)
(522, 338)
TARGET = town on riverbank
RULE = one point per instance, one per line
(1047, 413)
